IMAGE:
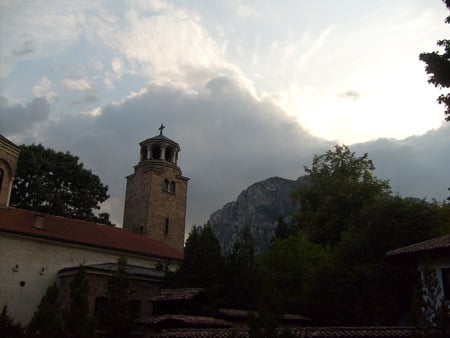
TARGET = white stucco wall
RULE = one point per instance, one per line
(31, 255)
(437, 264)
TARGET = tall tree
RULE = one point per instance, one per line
(119, 321)
(203, 262)
(76, 317)
(46, 320)
(438, 66)
(57, 183)
(339, 185)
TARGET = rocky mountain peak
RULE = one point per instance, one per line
(259, 207)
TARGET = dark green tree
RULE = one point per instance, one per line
(47, 320)
(438, 66)
(242, 278)
(203, 262)
(77, 320)
(118, 318)
(9, 328)
(339, 185)
(56, 183)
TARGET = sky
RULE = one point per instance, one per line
(249, 89)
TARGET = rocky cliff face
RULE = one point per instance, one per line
(258, 207)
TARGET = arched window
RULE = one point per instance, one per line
(143, 153)
(156, 152)
(101, 311)
(172, 187)
(166, 227)
(166, 186)
(168, 154)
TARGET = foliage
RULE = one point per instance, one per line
(330, 263)
(438, 66)
(56, 183)
(242, 278)
(203, 262)
(294, 263)
(46, 320)
(119, 321)
(76, 319)
(8, 327)
(340, 185)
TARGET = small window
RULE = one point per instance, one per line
(172, 187)
(166, 227)
(166, 186)
(168, 154)
(101, 310)
(141, 230)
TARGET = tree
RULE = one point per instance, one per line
(119, 322)
(76, 318)
(339, 185)
(46, 320)
(203, 263)
(438, 66)
(242, 278)
(9, 328)
(56, 183)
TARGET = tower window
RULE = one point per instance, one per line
(169, 154)
(166, 186)
(156, 152)
(1, 179)
(172, 187)
(166, 227)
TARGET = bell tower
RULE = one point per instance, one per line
(155, 200)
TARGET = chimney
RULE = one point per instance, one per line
(38, 221)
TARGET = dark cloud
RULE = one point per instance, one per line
(229, 140)
(417, 166)
(86, 99)
(350, 94)
(27, 47)
(19, 118)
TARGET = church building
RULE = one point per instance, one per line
(38, 249)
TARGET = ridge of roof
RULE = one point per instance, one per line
(430, 245)
(62, 229)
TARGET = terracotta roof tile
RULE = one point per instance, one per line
(176, 294)
(303, 332)
(243, 315)
(177, 321)
(20, 221)
(440, 244)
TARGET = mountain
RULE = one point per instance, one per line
(259, 207)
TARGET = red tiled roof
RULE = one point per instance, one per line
(178, 321)
(302, 332)
(243, 315)
(20, 221)
(176, 294)
(435, 245)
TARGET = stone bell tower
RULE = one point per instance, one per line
(155, 201)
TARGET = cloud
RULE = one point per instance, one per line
(350, 94)
(229, 139)
(246, 12)
(27, 47)
(18, 118)
(44, 88)
(79, 85)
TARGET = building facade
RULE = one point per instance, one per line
(39, 249)
(155, 200)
